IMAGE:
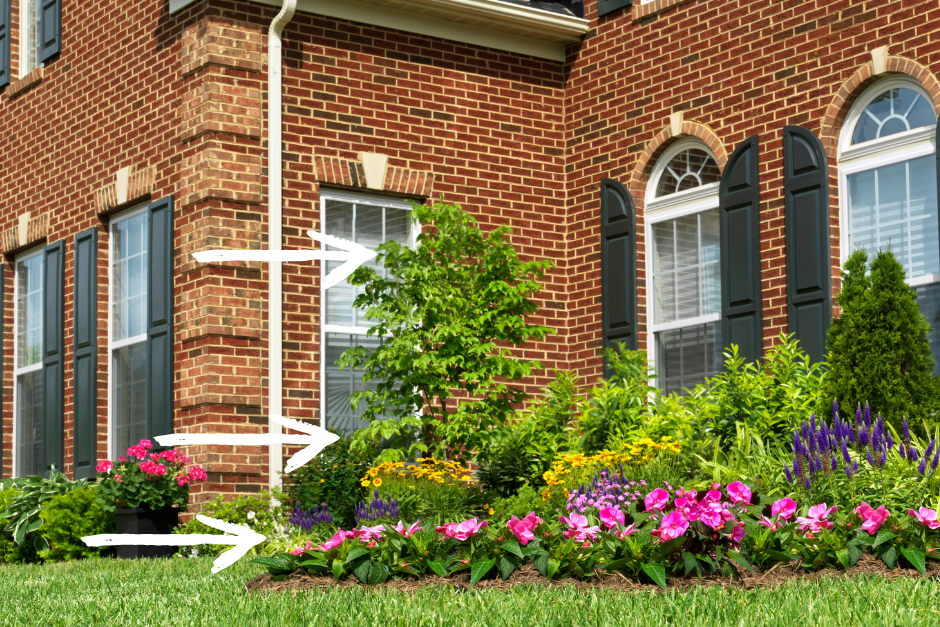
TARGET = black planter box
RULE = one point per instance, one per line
(139, 520)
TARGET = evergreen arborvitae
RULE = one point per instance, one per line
(878, 350)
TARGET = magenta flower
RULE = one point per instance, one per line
(299, 550)
(623, 534)
(872, 519)
(656, 500)
(372, 533)
(612, 516)
(410, 531)
(688, 506)
(338, 538)
(817, 518)
(770, 524)
(737, 534)
(524, 529)
(926, 516)
(785, 507)
(739, 492)
(673, 525)
(104, 466)
(462, 531)
(196, 473)
(578, 528)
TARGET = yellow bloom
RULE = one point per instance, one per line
(491, 511)
(365, 483)
(377, 482)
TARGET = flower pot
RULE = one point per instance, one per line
(141, 520)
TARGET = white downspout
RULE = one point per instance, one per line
(275, 292)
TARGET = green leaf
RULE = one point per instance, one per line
(513, 547)
(355, 554)
(740, 559)
(552, 567)
(362, 571)
(338, 569)
(438, 568)
(843, 557)
(670, 547)
(916, 558)
(655, 572)
(479, 569)
(318, 565)
(855, 552)
(541, 564)
(507, 565)
(888, 555)
(690, 562)
(882, 537)
(378, 573)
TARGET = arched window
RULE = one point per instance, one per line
(682, 231)
(888, 179)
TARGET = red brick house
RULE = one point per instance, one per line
(696, 170)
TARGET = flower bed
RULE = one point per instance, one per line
(730, 533)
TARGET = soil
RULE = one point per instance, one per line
(527, 575)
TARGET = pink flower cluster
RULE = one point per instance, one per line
(462, 531)
(155, 464)
(926, 516)
(196, 473)
(872, 519)
(410, 531)
(153, 468)
(614, 520)
(781, 510)
(710, 511)
(140, 450)
(104, 466)
(364, 533)
(578, 528)
(524, 529)
(817, 519)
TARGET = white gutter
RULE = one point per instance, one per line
(275, 291)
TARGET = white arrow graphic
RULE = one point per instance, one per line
(317, 438)
(352, 253)
(243, 540)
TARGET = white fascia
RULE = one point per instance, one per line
(488, 23)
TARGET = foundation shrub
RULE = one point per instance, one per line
(67, 518)
(11, 552)
(879, 351)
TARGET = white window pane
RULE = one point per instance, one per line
(129, 277)
(895, 208)
(685, 357)
(686, 274)
(894, 111)
(29, 311)
(29, 431)
(340, 384)
(129, 409)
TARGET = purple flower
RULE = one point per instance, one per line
(936, 458)
(858, 415)
(863, 437)
(913, 454)
(835, 409)
(884, 458)
(901, 449)
(786, 471)
(890, 441)
(922, 466)
(807, 483)
(867, 417)
(812, 422)
(845, 453)
(871, 462)
(848, 471)
(906, 432)
(929, 451)
(855, 467)
(834, 464)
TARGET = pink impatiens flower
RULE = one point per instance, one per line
(738, 492)
(817, 518)
(612, 516)
(410, 531)
(104, 466)
(578, 528)
(673, 525)
(462, 531)
(299, 550)
(656, 500)
(688, 506)
(523, 529)
(737, 534)
(872, 519)
(926, 516)
(786, 507)
(372, 533)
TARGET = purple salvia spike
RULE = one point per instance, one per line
(845, 454)
(863, 437)
(834, 464)
(901, 449)
(786, 471)
(890, 442)
(804, 431)
(807, 483)
(858, 415)
(913, 454)
(867, 417)
(922, 466)
(812, 422)
(930, 448)
(848, 471)
(871, 462)
(936, 458)
(906, 433)
(825, 438)
(855, 468)
(835, 409)
(884, 458)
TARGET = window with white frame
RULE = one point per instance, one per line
(888, 178)
(30, 41)
(28, 393)
(369, 221)
(684, 308)
(127, 338)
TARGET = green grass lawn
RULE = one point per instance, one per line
(183, 592)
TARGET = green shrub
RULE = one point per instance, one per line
(22, 513)
(253, 511)
(332, 477)
(67, 518)
(878, 347)
(526, 500)
(522, 452)
(11, 552)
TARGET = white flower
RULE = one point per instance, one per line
(251, 515)
(195, 551)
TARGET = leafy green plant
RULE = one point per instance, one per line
(878, 346)
(332, 477)
(520, 453)
(10, 552)
(446, 312)
(23, 511)
(527, 499)
(67, 518)
(254, 511)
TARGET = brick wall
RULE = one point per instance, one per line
(737, 68)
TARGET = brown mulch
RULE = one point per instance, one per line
(775, 576)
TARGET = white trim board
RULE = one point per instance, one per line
(486, 23)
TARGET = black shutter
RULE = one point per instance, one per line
(5, 42)
(160, 319)
(52, 358)
(806, 208)
(618, 266)
(739, 201)
(85, 353)
(50, 29)
(609, 6)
